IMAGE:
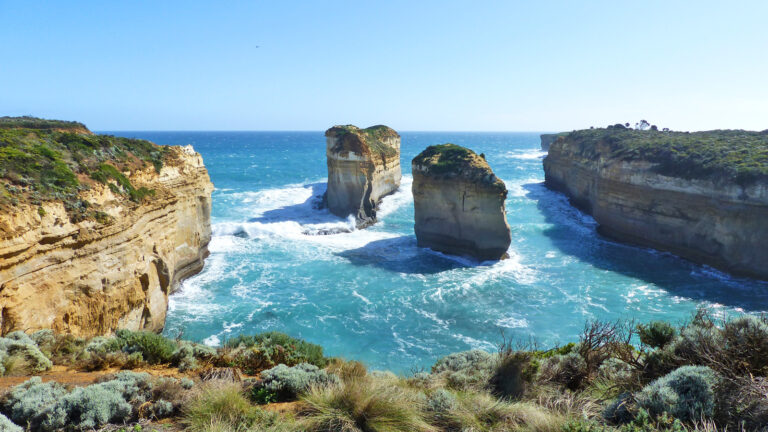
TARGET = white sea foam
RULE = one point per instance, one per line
(512, 322)
(401, 197)
(527, 154)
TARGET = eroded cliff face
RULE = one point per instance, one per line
(459, 204)
(714, 221)
(363, 167)
(91, 278)
(547, 140)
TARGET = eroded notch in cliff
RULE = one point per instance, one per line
(163, 275)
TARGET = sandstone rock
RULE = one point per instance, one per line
(547, 140)
(459, 203)
(90, 278)
(363, 167)
(710, 219)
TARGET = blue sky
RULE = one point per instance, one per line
(426, 65)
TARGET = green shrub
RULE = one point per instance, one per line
(441, 401)
(687, 393)
(462, 361)
(116, 398)
(265, 350)
(19, 345)
(513, 373)
(746, 343)
(93, 406)
(289, 382)
(31, 402)
(465, 370)
(569, 370)
(656, 334)
(154, 348)
(7, 426)
(186, 356)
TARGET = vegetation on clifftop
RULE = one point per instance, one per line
(735, 155)
(352, 138)
(706, 375)
(42, 160)
(453, 160)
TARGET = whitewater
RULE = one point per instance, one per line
(373, 295)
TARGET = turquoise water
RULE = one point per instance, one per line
(372, 295)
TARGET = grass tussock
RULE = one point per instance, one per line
(363, 405)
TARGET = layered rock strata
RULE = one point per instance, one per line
(363, 167)
(459, 203)
(92, 277)
(702, 196)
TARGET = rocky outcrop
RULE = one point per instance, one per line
(459, 203)
(670, 191)
(93, 276)
(363, 167)
(547, 140)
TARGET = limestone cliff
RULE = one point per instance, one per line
(459, 203)
(703, 196)
(363, 167)
(106, 255)
(548, 139)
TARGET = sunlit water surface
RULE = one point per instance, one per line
(372, 295)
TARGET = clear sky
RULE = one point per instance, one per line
(413, 65)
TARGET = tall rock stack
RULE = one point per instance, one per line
(363, 167)
(459, 203)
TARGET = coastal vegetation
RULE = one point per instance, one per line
(736, 155)
(707, 374)
(43, 160)
(353, 138)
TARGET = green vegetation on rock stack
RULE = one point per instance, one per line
(734, 155)
(43, 160)
(370, 136)
(451, 159)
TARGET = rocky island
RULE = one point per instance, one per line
(701, 195)
(363, 167)
(459, 203)
(95, 230)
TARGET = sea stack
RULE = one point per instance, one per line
(459, 203)
(363, 167)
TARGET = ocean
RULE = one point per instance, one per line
(372, 295)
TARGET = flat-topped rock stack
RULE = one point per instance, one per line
(459, 203)
(363, 167)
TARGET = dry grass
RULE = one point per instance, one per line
(363, 404)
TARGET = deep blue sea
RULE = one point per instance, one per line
(372, 295)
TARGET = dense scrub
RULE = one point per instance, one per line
(705, 375)
(352, 138)
(450, 160)
(43, 160)
(737, 155)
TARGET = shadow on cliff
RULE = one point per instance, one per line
(401, 255)
(575, 233)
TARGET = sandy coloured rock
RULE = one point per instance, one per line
(90, 278)
(363, 167)
(705, 214)
(459, 203)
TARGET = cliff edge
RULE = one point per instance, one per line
(95, 231)
(363, 167)
(702, 195)
(459, 203)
